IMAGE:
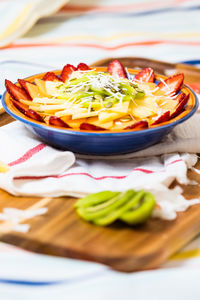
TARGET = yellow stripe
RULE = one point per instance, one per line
(182, 34)
(113, 37)
(84, 37)
(186, 254)
(16, 23)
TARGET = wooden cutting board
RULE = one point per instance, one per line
(61, 232)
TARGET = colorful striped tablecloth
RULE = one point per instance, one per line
(19, 16)
(85, 31)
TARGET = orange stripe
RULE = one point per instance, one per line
(95, 8)
(108, 48)
(112, 8)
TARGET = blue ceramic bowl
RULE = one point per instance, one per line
(100, 143)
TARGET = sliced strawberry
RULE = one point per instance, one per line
(86, 126)
(20, 106)
(163, 118)
(50, 76)
(171, 85)
(56, 121)
(27, 111)
(138, 125)
(180, 106)
(146, 75)
(83, 67)
(23, 84)
(16, 92)
(31, 89)
(33, 115)
(67, 71)
(116, 69)
(180, 97)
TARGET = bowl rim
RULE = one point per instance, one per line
(177, 120)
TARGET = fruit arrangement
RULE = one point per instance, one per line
(83, 98)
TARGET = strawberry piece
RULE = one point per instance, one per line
(15, 91)
(20, 106)
(23, 84)
(138, 125)
(180, 97)
(33, 115)
(50, 76)
(146, 75)
(56, 121)
(83, 67)
(116, 69)
(67, 71)
(86, 126)
(163, 118)
(31, 89)
(180, 106)
(171, 85)
(27, 111)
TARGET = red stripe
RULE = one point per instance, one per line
(71, 174)
(27, 155)
(107, 48)
(120, 8)
(146, 171)
(143, 170)
(175, 161)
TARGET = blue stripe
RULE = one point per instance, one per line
(27, 282)
(192, 62)
(36, 283)
(153, 11)
(126, 14)
(163, 10)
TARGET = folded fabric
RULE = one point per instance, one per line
(18, 16)
(40, 170)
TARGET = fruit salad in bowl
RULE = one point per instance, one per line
(100, 111)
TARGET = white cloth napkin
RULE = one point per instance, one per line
(40, 170)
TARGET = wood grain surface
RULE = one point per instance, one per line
(61, 232)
